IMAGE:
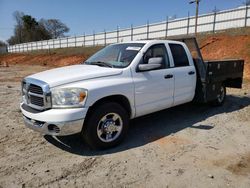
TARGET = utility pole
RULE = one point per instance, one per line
(247, 2)
(196, 14)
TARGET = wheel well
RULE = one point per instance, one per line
(120, 99)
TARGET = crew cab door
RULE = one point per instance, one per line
(154, 89)
(184, 73)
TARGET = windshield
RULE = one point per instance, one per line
(117, 55)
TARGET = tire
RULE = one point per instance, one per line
(106, 126)
(219, 101)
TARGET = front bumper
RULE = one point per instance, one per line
(57, 122)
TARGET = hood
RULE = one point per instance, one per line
(69, 74)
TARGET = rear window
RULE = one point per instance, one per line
(179, 55)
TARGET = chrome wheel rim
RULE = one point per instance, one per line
(221, 95)
(109, 127)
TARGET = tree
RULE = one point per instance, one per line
(55, 27)
(28, 29)
(2, 43)
(19, 25)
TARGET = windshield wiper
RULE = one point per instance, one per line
(100, 63)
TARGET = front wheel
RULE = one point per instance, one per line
(219, 101)
(106, 126)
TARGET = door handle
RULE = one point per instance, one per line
(191, 72)
(168, 76)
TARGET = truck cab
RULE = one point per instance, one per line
(120, 82)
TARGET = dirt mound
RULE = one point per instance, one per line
(227, 47)
(53, 60)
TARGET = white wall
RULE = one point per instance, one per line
(233, 18)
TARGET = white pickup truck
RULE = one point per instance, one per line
(120, 82)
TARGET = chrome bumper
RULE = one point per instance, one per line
(63, 128)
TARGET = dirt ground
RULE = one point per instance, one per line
(186, 146)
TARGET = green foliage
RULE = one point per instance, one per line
(55, 27)
(28, 29)
(2, 43)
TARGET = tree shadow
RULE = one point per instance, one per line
(154, 126)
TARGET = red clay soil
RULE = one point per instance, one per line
(215, 47)
(51, 60)
(223, 47)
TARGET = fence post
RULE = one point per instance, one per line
(215, 13)
(246, 15)
(67, 42)
(75, 40)
(105, 42)
(132, 32)
(147, 29)
(188, 20)
(93, 38)
(84, 40)
(60, 43)
(117, 35)
(53, 43)
(27, 47)
(166, 27)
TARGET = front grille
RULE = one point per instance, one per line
(36, 100)
(35, 89)
(36, 94)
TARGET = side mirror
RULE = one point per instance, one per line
(155, 60)
(153, 63)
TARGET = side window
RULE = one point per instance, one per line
(158, 50)
(179, 55)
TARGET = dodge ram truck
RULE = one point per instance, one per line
(122, 81)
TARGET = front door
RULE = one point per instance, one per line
(154, 89)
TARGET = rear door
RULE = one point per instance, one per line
(184, 74)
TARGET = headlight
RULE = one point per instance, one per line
(68, 97)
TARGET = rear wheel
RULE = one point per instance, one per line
(219, 101)
(106, 126)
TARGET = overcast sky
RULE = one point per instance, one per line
(86, 16)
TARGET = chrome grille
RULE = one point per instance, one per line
(36, 94)
(36, 100)
(35, 89)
